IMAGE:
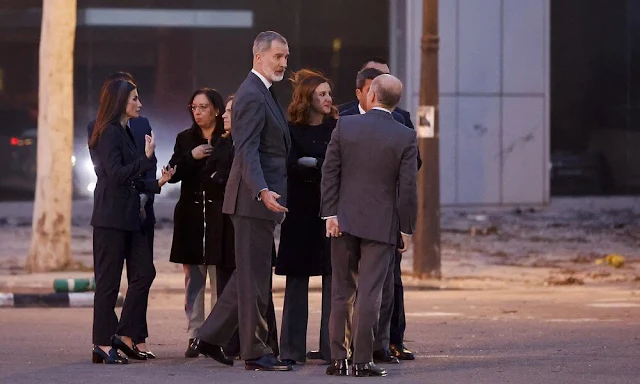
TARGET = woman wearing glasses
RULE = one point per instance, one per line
(202, 235)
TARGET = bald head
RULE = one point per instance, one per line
(386, 91)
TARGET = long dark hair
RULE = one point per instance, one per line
(305, 82)
(215, 98)
(113, 104)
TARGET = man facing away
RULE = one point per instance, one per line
(255, 197)
(389, 341)
(369, 193)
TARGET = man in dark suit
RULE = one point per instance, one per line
(381, 65)
(255, 197)
(389, 341)
(369, 193)
(139, 127)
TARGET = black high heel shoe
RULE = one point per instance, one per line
(148, 354)
(98, 356)
(133, 353)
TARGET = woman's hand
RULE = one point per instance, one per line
(309, 162)
(201, 151)
(149, 145)
(167, 174)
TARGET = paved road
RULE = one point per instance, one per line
(521, 335)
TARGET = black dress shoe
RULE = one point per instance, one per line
(401, 352)
(338, 368)
(190, 352)
(289, 361)
(384, 356)
(213, 351)
(266, 363)
(314, 355)
(98, 356)
(131, 352)
(368, 369)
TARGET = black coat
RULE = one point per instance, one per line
(304, 250)
(119, 166)
(201, 197)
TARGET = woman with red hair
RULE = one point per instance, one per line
(304, 250)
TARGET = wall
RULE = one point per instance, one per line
(494, 96)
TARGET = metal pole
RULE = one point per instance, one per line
(426, 248)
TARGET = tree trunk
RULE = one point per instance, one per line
(51, 238)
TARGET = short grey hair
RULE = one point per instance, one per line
(264, 39)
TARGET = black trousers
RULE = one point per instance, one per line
(295, 318)
(398, 321)
(111, 248)
(142, 337)
(247, 293)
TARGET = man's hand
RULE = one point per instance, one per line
(201, 151)
(406, 239)
(333, 227)
(270, 200)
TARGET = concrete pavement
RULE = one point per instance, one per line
(517, 335)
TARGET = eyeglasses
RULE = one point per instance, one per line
(201, 107)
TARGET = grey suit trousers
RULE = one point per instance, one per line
(383, 329)
(246, 295)
(362, 264)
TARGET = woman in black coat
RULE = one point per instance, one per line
(202, 235)
(118, 234)
(304, 250)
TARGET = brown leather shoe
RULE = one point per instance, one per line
(384, 356)
(402, 353)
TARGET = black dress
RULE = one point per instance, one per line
(201, 197)
(304, 250)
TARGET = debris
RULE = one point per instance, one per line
(612, 259)
(566, 281)
(492, 230)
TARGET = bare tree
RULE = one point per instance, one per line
(51, 239)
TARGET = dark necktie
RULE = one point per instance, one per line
(273, 94)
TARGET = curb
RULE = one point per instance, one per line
(50, 300)
(74, 285)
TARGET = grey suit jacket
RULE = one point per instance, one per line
(261, 139)
(369, 177)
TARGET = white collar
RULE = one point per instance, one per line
(362, 111)
(264, 80)
(382, 109)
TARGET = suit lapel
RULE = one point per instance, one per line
(128, 141)
(275, 109)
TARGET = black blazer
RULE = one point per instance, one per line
(354, 103)
(118, 165)
(140, 127)
(356, 111)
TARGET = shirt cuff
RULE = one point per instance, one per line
(406, 234)
(328, 217)
(258, 195)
